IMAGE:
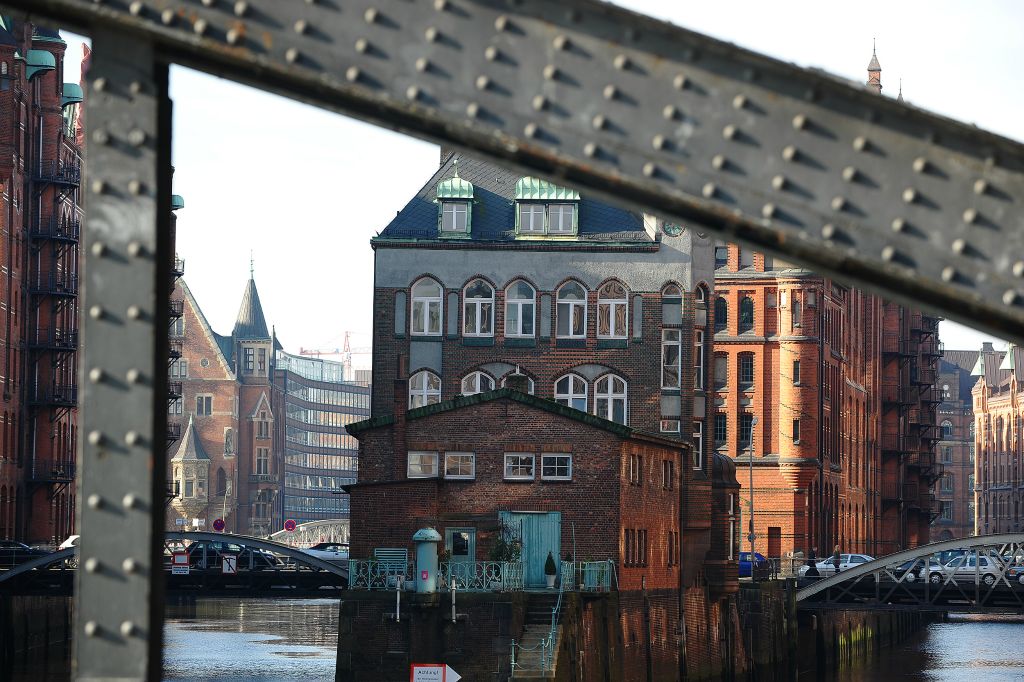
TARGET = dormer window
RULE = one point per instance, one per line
(455, 206)
(454, 217)
(544, 209)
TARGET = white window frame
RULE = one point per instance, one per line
(524, 456)
(531, 385)
(667, 344)
(612, 397)
(476, 380)
(543, 463)
(422, 458)
(424, 304)
(453, 211)
(202, 397)
(610, 306)
(670, 426)
(424, 393)
(483, 311)
(569, 397)
(530, 209)
(557, 211)
(261, 457)
(568, 309)
(520, 305)
(472, 465)
(176, 406)
(698, 444)
(698, 359)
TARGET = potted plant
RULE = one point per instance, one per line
(550, 570)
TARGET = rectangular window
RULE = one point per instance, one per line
(261, 364)
(459, 465)
(698, 444)
(262, 467)
(556, 467)
(178, 369)
(204, 405)
(178, 327)
(641, 547)
(454, 216)
(698, 359)
(796, 310)
(531, 218)
(721, 428)
(671, 358)
(611, 319)
(189, 487)
(721, 371)
(721, 256)
(636, 470)
(572, 319)
(560, 218)
(422, 465)
(519, 467)
(746, 429)
(796, 430)
(249, 354)
(668, 474)
(670, 426)
(628, 544)
(947, 455)
(263, 430)
(746, 369)
(947, 511)
(175, 406)
(796, 371)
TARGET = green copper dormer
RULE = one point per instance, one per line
(38, 61)
(72, 94)
(177, 202)
(454, 207)
(543, 209)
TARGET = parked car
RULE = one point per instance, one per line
(914, 570)
(967, 568)
(13, 553)
(846, 562)
(759, 567)
(329, 551)
(208, 553)
(1016, 573)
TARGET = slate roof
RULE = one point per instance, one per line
(493, 217)
(190, 448)
(250, 323)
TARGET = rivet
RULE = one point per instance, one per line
(828, 231)
(134, 248)
(531, 130)
(768, 210)
(670, 112)
(970, 216)
(610, 92)
(491, 54)
(472, 110)
(100, 136)
(130, 501)
(779, 182)
(134, 312)
(137, 137)
(371, 15)
(362, 46)
(100, 84)
(948, 273)
(650, 170)
(432, 34)
(422, 64)
(132, 438)
(681, 82)
(561, 42)
(659, 142)
(129, 565)
(800, 121)
(91, 628)
(199, 27)
(729, 132)
(127, 628)
(483, 82)
(540, 102)
(621, 62)
(899, 225)
(301, 26)
(96, 375)
(709, 190)
(718, 162)
(95, 437)
(550, 72)
(233, 36)
(850, 174)
(838, 203)
(501, 23)
(440, 5)
(981, 186)
(352, 74)
(92, 564)
(599, 122)
(96, 312)
(99, 186)
(959, 245)
(167, 17)
(134, 187)
(739, 102)
(1018, 268)
(1010, 297)
(99, 249)
(241, 8)
(888, 253)
(133, 376)
(291, 55)
(790, 153)
(135, 8)
(909, 195)
(920, 164)
(590, 149)
(94, 501)
(860, 143)
(412, 92)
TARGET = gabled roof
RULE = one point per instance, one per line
(190, 448)
(250, 323)
(494, 193)
(221, 344)
(264, 404)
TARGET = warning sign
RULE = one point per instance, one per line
(432, 672)
(179, 563)
(229, 564)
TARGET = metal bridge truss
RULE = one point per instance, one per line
(794, 162)
(281, 571)
(882, 584)
(313, 532)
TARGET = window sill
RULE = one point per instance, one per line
(570, 343)
(612, 343)
(556, 480)
(477, 340)
(433, 338)
(518, 480)
(520, 342)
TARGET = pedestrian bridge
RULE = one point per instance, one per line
(987, 585)
(260, 567)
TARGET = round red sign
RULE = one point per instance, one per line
(289, 525)
(218, 525)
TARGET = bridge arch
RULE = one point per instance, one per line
(313, 532)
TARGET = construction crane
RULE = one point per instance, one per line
(346, 352)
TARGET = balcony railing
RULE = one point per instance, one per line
(931, 394)
(595, 576)
(895, 393)
(923, 375)
(63, 230)
(67, 173)
(894, 345)
(54, 394)
(481, 576)
(55, 284)
(893, 442)
(910, 494)
(178, 267)
(53, 472)
(173, 390)
(173, 432)
(379, 574)
(56, 338)
(177, 308)
(890, 491)
(174, 349)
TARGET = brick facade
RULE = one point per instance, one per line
(954, 451)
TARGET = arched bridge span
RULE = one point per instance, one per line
(312, 532)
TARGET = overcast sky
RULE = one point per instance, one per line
(304, 190)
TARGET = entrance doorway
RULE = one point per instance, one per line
(541, 532)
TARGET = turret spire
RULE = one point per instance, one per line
(874, 70)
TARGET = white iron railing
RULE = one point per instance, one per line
(593, 576)
(482, 576)
(377, 574)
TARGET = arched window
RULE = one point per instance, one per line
(478, 309)
(477, 382)
(222, 482)
(612, 309)
(721, 314)
(572, 311)
(947, 429)
(671, 290)
(520, 309)
(746, 314)
(424, 389)
(426, 308)
(700, 294)
(229, 441)
(571, 390)
(530, 386)
(610, 398)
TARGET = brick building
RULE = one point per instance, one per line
(40, 217)
(954, 451)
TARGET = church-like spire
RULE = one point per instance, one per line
(874, 70)
(899, 96)
(250, 324)
(190, 447)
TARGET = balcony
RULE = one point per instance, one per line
(892, 344)
(178, 267)
(174, 349)
(173, 432)
(931, 395)
(65, 395)
(924, 376)
(64, 173)
(173, 390)
(893, 442)
(53, 338)
(177, 309)
(912, 459)
(895, 393)
(933, 348)
(890, 491)
(55, 284)
(911, 496)
(60, 230)
(53, 472)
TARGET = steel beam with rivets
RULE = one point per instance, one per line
(792, 161)
(119, 604)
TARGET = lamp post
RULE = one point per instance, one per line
(753, 423)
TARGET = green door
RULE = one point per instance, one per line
(461, 544)
(541, 532)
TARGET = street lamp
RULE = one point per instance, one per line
(753, 423)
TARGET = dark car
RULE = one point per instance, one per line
(13, 553)
(208, 554)
(760, 567)
(914, 570)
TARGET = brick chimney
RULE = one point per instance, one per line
(399, 449)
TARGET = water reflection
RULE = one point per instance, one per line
(250, 640)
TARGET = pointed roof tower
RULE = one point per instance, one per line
(250, 323)
(190, 448)
(899, 96)
(874, 71)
